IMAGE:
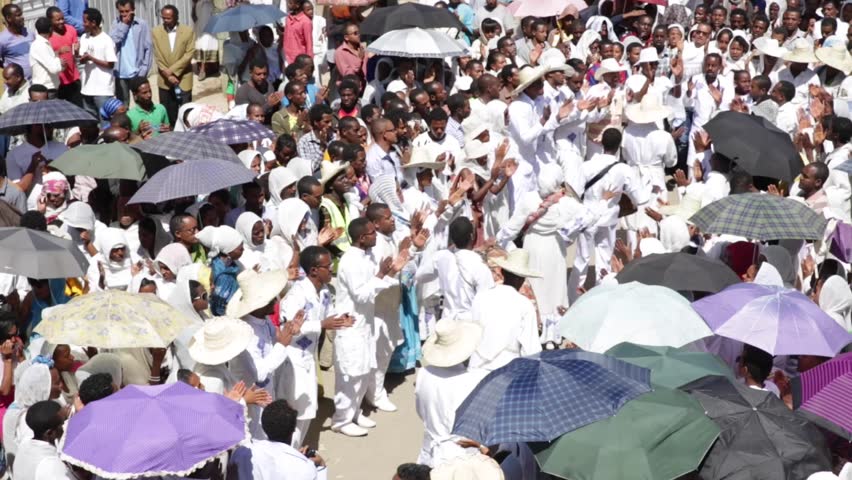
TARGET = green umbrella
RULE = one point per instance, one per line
(109, 160)
(660, 435)
(671, 367)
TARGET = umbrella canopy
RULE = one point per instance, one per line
(169, 429)
(409, 15)
(108, 160)
(540, 8)
(778, 320)
(823, 395)
(845, 167)
(233, 132)
(660, 435)
(417, 43)
(541, 397)
(188, 179)
(113, 319)
(346, 3)
(51, 113)
(631, 312)
(244, 17)
(188, 146)
(679, 271)
(39, 255)
(671, 367)
(761, 217)
(761, 438)
(755, 144)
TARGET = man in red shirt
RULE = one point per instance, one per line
(298, 33)
(64, 41)
(351, 57)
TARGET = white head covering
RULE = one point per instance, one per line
(583, 49)
(118, 275)
(674, 233)
(550, 179)
(279, 179)
(79, 215)
(594, 23)
(32, 384)
(220, 240)
(199, 115)
(783, 8)
(650, 246)
(494, 116)
(247, 157)
(835, 299)
(103, 362)
(245, 224)
(174, 256)
(291, 213)
(383, 190)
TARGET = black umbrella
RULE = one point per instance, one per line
(761, 438)
(51, 113)
(679, 271)
(409, 15)
(755, 144)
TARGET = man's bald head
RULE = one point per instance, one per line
(116, 134)
(379, 126)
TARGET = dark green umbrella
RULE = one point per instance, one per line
(661, 435)
(109, 160)
(670, 367)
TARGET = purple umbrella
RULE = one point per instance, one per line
(234, 132)
(147, 431)
(778, 320)
(188, 179)
(841, 242)
(823, 394)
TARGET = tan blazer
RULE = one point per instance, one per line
(177, 60)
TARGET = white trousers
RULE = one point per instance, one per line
(602, 243)
(302, 427)
(384, 350)
(349, 392)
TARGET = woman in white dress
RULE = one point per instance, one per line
(206, 44)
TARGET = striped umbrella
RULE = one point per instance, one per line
(823, 394)
(234, 132)
(188, 146)
(761, 217)
(189, 179)
(51, 113)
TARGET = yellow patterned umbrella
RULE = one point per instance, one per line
(113, 319)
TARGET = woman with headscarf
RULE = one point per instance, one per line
(674, 234)
(168, 263)
(103, 362)
(79, 222)
(190, 298)
(774, 11)
(195, 114)
(35, 381)
(226, 248)
(547, 221)
(253, 231)
(586, 50)
(253, 160)
(111, 107)
(603, 26)
(112, 268)
(737, 56)
(51, 198)
(835, 299)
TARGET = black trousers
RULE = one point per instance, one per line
(71, 93)
(169, 100)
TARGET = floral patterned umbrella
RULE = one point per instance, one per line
(113, 319)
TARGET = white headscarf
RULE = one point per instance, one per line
(583, 49)
(245, 224)
(494, 116)
(782, 4)
(174, 256)
(291, 213)
(220, 240)
(594, 23)
(32, 384)
(650, 246)
(118, 274)
(103, 362)
(835, 299)
(674, 233)
(279, 179)
(247, 157)
(78, 215)
(550, 179)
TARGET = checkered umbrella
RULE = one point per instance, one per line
(188, 146)
(233, 132)
(760, 217)
(52, 113)
(189, 179)
(539, 398)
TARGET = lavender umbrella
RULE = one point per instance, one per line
(234, 132)
(159, 430)
(188, 179)
(823, 395)
(778, 320)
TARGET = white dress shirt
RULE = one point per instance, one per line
(381, 163)
(788, 118)
(716, 187)
(45, 63)
(38, 460)
(266, 460)
(509, 327)
(649, 150)
(802, 82)
(530, 135)
(461, 275)
(620, 178)
(702, 101)
(838, 188)
(10, 100)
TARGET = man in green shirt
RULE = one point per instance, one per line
(146, 118)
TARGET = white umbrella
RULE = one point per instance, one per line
(632, 312)
(417, 43)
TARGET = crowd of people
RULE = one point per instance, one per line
(408, 214)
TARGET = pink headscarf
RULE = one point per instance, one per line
(55, 183)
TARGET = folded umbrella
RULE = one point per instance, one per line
(244, 17)
(144, 431)
(409, 15)
(113, 319)
(234, 132)
(778, 320)
(761, 217)
(542, 8)
(40, 255)
(671, 367)
(660, 435)
(415, 43)
(755, 144)
(108, 160)
(823, 395)
(188, 146)
(188, 179)
(50, 113)
(631, 312)
(679, 271)
(541, 397)
(761, 438)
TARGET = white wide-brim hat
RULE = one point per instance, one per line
(468, 467)
(219, 340)
(553, 60)
(330, 170)
(836, 56)
(649, 110)
(528, 76)
(518, 262)
(770, 46)
(476, 149)
(648, 55)
(421, 157)
(256, 291)
(610, 65)
(803, 52)
(452, 343)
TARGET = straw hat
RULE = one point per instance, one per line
(470, 467)
(610, 65)
(517, 261)
(649, 110)
(803, 52)
(219, 340)
(648, 55)
(451, 343)
(422, 158)
(528, 76)
(836, 56)
(553, 60)
(330, 170)
(256, 291)
(769, 46)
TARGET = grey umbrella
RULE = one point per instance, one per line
(679, 271)
(52, 113)
(188, 146)
(40, 255)
(188, 179)
(761, 438)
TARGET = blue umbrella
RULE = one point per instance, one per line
(539, 398)
(52, 113)
(188, 146)
(189, 179)
(234, 132)
(243, 18)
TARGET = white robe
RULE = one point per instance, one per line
(509, 327)
(461, 275)
(38, 460)
(263, 459)
(530, 135)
